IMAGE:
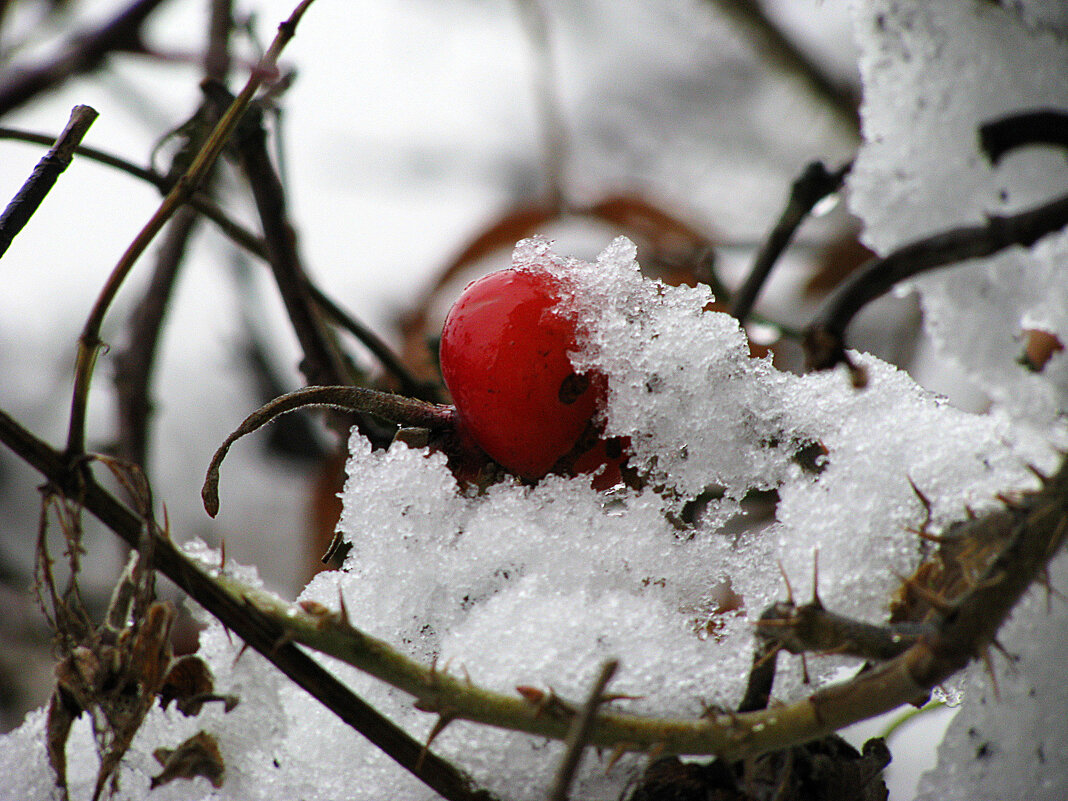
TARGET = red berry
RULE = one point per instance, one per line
(504, 359)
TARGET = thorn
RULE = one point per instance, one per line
(1012, 504)
(240, 652)
(1010, 657)
(342, 609)
(933, 599)
(770, 655)
(222, 555)
(805, 678)
(993, 676)
(532, 695)
(439, 726)
(816, 602)
(656, 751)
(786, 581)
(1038, 473)
(617, 754)
(1051, 591)
(937, 539)
(467, 676)
(313, 608)
(969, 512)
(926, 506)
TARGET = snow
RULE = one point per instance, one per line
(1008, 739)
(933, 73)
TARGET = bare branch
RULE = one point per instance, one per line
(773, 45)
(86, 52)
(824, 337)
(579, 733)
(89, 342)
(814, 184)
(44, 176)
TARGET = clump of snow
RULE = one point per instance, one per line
(933, 73)
(538, 585)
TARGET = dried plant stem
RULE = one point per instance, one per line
(44, 176)
(89, 342)
(383, 405)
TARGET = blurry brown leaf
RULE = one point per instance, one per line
(1040, 347)
(197, 756)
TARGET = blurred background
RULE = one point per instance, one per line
(416, 141)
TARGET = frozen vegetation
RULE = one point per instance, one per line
(538, 585)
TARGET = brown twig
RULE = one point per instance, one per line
(262, 633)
(44, 176)
(824, 338)
(408, 383)
(578, 734)
(244, 238)
(323, 363)
(87, 50)
(89, 342)
(774, 46)
(134, 363)
(814, 184)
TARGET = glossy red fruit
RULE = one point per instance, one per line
(504, 359)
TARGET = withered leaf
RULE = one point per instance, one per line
(197, 756)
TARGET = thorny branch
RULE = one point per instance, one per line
(1036, 530)
(264, 634)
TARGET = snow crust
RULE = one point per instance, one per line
(932, 74)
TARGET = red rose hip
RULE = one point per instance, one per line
(504, 359)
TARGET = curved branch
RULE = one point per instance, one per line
(814, 184)
(824, 338)
(89, 342)
(387, 406)
(1046, 127)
